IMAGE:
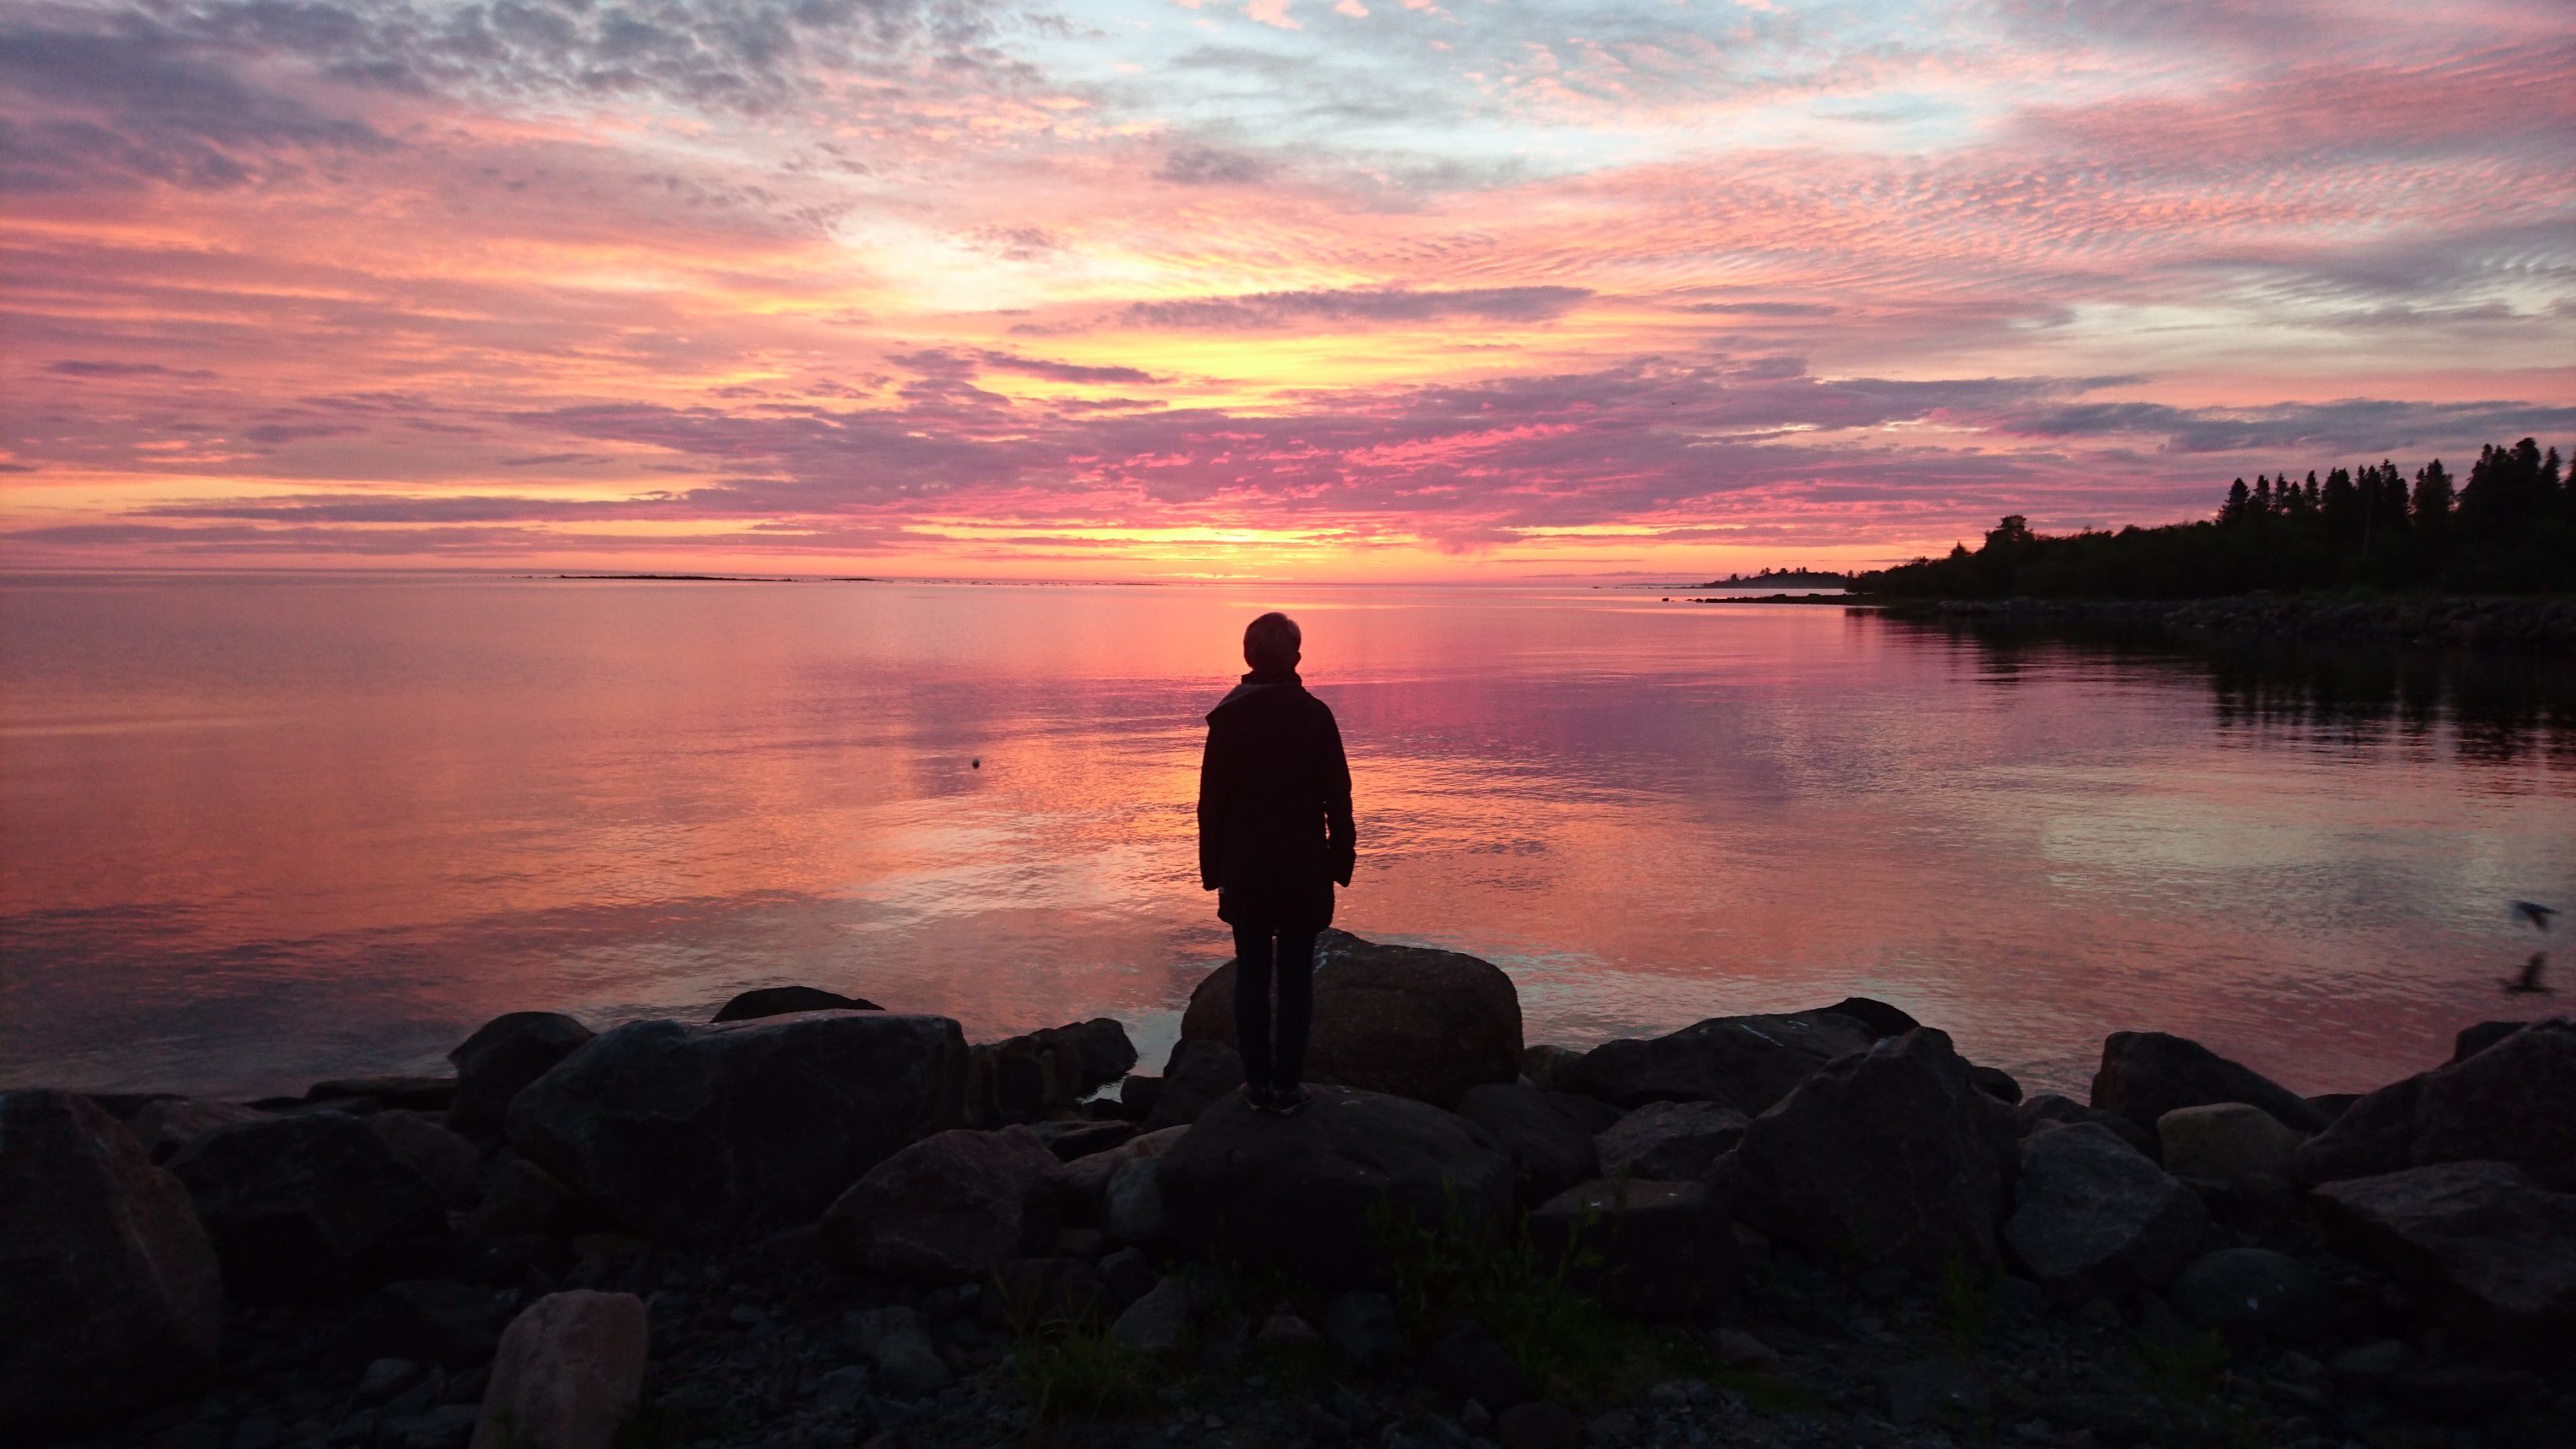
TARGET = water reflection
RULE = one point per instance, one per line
(257, 832)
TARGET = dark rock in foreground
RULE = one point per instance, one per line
(2514, 1101)
(1198, 1075)
(1547, 1135)
(1315, 1194)
(763, 1001)
(2255, 1293)
(1891, 1155)
(2475, 1242)
(110, 1297)
(2046, 1108)
(1403, 1020)
(306, 1205)
(502, 1057)
(1669, 1141)
(1044, 1073)
(686, 1133)
(1744, 1062)
(2092, 1217)
(1654, 1249)
(2145, 1074)
(949, 1208)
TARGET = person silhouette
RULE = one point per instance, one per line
(1275, 836)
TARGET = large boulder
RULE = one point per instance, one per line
(1322, 1193)
(2471, 1040)
(305, 1205)
(2513, 1102)
(949, 1208)
(166, 1124)
(1744, 1062)
(1669, 1141)
(504, 1055)
(1547, 1135)
(1044, 1073)
(2474, 1242)
(2255, 1293)
(763, 1001)
(2044, 1109)
(569, 1373)
(1890, 1155)
(110, 1297)
(2145, 1074)
(686, 1133)
(1403, 1020)
(445, 1160)
(1655, 1249)
(2240, 1154)
(2093, 1218)
(1199, 1074)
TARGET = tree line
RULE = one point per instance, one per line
(2510, 527)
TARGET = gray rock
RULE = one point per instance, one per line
(1086, 1179)
(110, 1298)
(2145, 1074)
(1669, 1141)
(1131, 1210)
(1738, 1349)
(2092, 1217)
(2048, 1109)
(1745, 1062)
(429, 1320)
(447, 1162)
(2475, 1039)
(2476, 1243)
(383, 1378)
(1470, 1363)
(2513, 1102)
(520, 1200)
(2255, 1293)
(687, 1133)
(410, 1092)
(1878, 1018)
(1157, 1322)
(1074, 1140)
(569, 1372)
(1935, 1391)
(1130, 1275)
(306, 1205)
(1099, 1050)
(948, 1208)
(1045, 1073)
(1538, 1425)
(1997, 1083)
(1547, 1135)
(1198, 1075)
(2244, 1151)
(1362, 1327)
(896, 1343)
(766, 1001)
(503, 1056)
(1890, 1155)
(1549, 1068)
(1652, 1249)
(1311, 1193)
(1402, 1020)
(166, 1124)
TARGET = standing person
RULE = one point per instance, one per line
(1274, 835)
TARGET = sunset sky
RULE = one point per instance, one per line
(1145, 289)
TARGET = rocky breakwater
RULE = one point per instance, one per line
(845, 1225)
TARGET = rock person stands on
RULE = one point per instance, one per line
(1275, 833)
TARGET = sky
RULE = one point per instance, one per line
(1168, 289)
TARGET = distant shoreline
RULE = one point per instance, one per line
(2511, 620)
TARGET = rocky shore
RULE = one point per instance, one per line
(815, 1222)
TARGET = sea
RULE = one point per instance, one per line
(257, 830)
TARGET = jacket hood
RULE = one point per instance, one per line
(1254, 685)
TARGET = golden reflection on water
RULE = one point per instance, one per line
(257, 831)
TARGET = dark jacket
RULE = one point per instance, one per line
(1274, 806)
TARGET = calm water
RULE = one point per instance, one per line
(259, 831)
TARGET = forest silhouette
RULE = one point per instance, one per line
(2509, 528)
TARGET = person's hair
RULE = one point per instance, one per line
(1271, 642)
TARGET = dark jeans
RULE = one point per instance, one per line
(1283, 1066)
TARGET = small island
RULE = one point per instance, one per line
(1780, 579)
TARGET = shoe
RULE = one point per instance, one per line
(1292, 1100)
(1262, 1100)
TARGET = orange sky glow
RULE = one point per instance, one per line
(1169, 291)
